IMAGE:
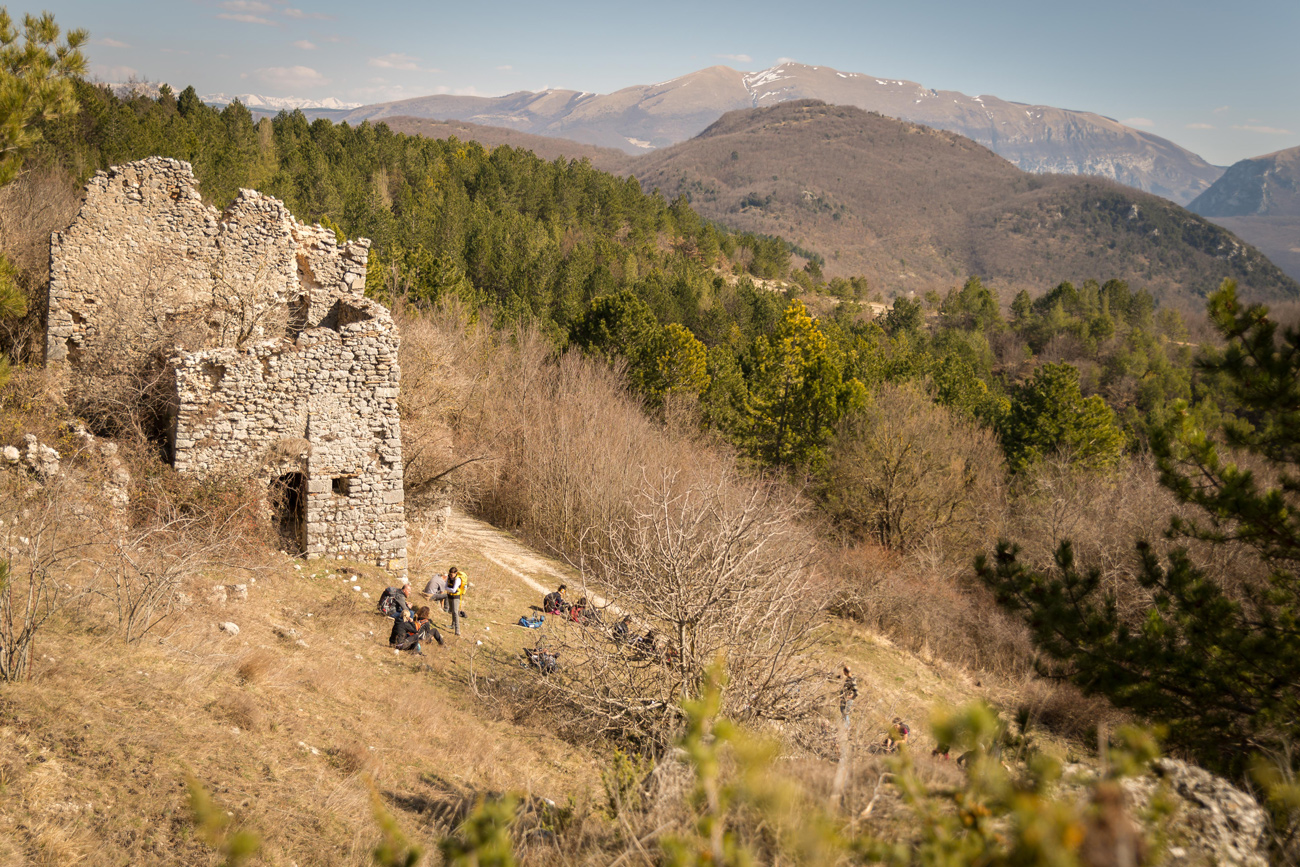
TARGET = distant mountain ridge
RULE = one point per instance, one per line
(1259, 199)
(913, 208)
(644, 118)
(1260, 186)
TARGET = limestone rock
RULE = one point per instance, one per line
(229, 628)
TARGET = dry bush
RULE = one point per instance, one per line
(908, 472)
(46, 532)
(571, 460)
(240, 709)
(710, 566)
(254, 667)
(1063, 709)
(1104, 516)
(352, 758)
(930, 606)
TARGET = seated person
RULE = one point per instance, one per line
(623, 630)
(553, 603)
(413, 628)
(897, 735)
(578, 611)
(393, 601)
(542, 659)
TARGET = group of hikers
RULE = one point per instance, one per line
(412, 627)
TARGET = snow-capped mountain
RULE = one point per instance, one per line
(641, 118)
(279, 103)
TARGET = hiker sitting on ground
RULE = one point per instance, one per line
(581, 612)
(897, 735)
(542, 659)
(436, 590)
(413, 629)
(623, 630)
(553, 603)
(392, 602)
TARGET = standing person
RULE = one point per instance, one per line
(848, 694)
(455, 592)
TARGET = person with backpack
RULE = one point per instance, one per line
(553, 603)
(623, 630)
(455, 593)
(393, 601)
(413, 629)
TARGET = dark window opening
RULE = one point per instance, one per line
(288, 501)
(342, 486)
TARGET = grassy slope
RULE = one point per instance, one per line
(94, 750)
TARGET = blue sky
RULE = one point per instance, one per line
(1221, 80)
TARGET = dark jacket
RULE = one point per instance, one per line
(398, 604)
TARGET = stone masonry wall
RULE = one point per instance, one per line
(282, 366)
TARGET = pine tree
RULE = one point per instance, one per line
(1217, 656)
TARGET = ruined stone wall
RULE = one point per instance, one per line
(147, 266)
(282, 367)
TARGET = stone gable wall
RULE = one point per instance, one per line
(282, 367)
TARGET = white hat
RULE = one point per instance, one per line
(405, 581)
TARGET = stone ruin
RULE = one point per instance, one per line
(254, 331)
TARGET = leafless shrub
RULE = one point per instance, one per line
(713, 566)
(46, 531)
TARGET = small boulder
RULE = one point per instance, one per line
(229, 628)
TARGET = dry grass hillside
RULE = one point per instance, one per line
(914, 209)
(285, 722)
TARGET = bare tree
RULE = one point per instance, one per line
(709, 566)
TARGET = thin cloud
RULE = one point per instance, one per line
(300, 15)
(1221, 109)
(1265, 130)
(291, 77)
(738, 58)
(404, 62)
(506, 68)
(1138, 121)
(247, 19)
(246, 6)
(117, 73)
(1200, 126)
(781, 60)
(110, 43)
(305, 45)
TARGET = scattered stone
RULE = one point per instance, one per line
(229, 628)
(237, 592)
(11, 455)
(218, 594)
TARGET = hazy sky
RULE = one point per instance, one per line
(1220, 79)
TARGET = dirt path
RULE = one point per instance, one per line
(512, 557)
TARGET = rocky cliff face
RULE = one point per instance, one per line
(645, 117)
(1261, 186)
